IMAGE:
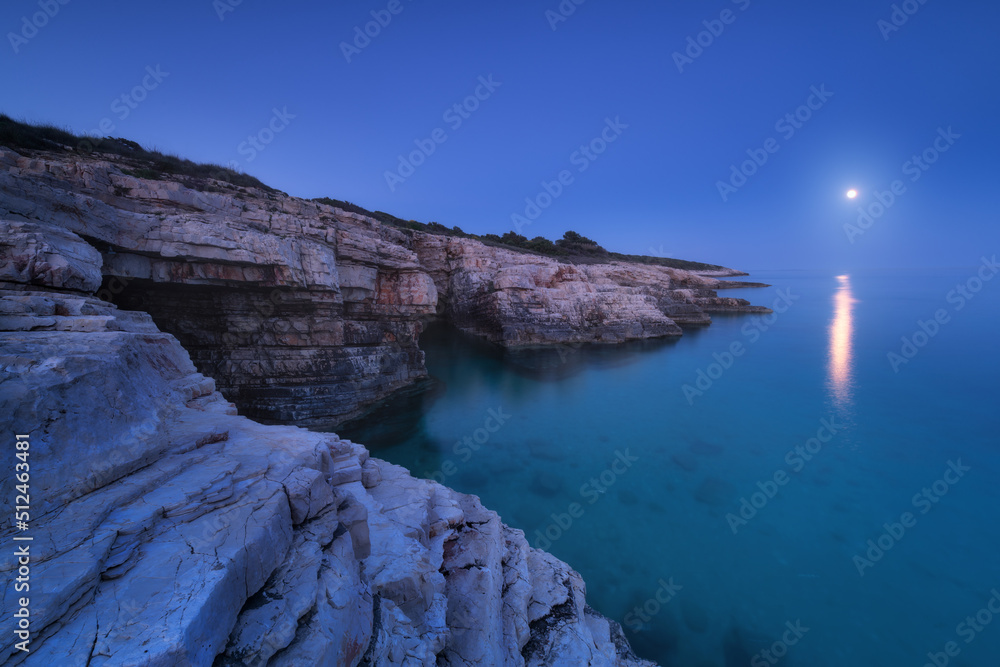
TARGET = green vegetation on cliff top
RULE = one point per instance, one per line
(154, 165)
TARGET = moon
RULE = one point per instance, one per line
(852, 194)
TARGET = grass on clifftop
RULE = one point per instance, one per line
(572, 247)
(153, 165)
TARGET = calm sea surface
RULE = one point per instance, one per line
(768, 484)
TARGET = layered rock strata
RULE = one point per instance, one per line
(516, 299)
(305, 313)
(166, 530)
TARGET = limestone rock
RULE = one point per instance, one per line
(169, 531)
(39, 254)
(302, 312)
(516, 299)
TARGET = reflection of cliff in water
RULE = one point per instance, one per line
(444, 345)
(563, 361)
(458, 361)
(396, 418)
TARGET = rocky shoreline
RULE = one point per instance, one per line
(306, 313)
(136, 314)
(169, 531)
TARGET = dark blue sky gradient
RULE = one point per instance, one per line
(653, 191)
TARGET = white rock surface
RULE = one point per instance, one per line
(303, 312)
(170, 531)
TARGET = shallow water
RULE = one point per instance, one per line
(600, 456)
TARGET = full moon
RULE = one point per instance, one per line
(851, 194)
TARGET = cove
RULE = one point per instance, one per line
(664, 517)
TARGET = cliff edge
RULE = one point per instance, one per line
(140, 309)
(166, 530)
(306, 313)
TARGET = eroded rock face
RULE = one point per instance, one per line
(169, 531)
(516, 299)
(305, 313)
(298, 311)
(40, 254)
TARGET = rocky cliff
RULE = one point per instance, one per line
(166, 530)
(516, 299)
(135, 311)
(306, 313)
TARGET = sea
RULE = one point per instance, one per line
(819, 486)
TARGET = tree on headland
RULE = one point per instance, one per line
(573, 237)
(514, 239)
(578, 244)
(542, 245)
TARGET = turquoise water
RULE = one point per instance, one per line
(601, 456)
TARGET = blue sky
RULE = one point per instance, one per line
(653, 190)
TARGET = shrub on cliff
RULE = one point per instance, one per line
(15, 134)
(543, 245)
(573, 237)
(514, 239)
(577, 244)
(134, 160)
